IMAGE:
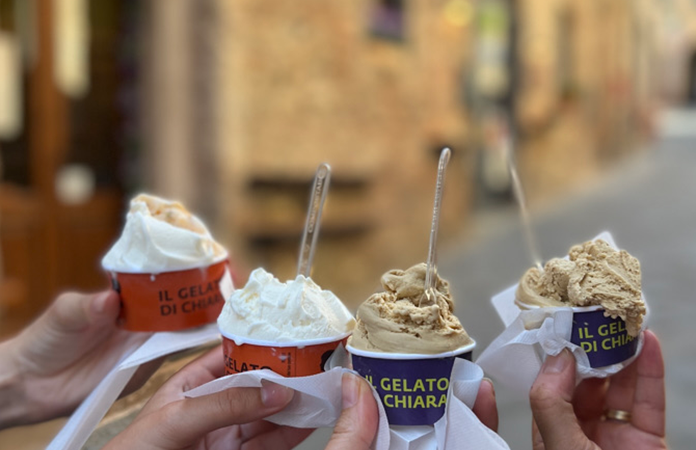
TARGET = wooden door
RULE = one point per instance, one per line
(49, 246)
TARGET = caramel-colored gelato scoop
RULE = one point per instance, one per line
(172, 213)
(594, 274)
(402, 319)
(161, 236)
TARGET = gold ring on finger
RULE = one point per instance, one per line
(617, 415)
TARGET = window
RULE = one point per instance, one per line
(387, 19)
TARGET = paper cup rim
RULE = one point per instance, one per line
(241, 340)
(574, 308)
(218, 260)
(579, 309)
(406, 356)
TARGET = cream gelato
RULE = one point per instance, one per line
(403, 319)
(594, 274)
(269, 310)
(161, 236)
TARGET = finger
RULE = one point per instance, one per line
(622, 388)
(211, 364)
(66, 332)
(279, 438)
(357, 426)
(268, 430)
(253, 429)
(588, 399)
(105, 307)
(649, 401)
(537, 441)
(196, 373)
(186, 421)
(214, 362)
(550, 399)
(485, 407)
(72, 312)
(263, 434)
(588, 403)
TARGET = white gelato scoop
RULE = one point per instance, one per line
(161, 236)
(268, 310)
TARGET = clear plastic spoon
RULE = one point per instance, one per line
(311, 230)
(431, 270)
(524, 212)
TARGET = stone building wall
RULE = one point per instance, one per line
(308, 82)
(586, 97)
(295, 84)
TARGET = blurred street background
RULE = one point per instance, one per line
(646, 205)
(230, 106)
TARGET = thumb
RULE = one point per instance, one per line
(72, 325)
(551, 401)
(537, 440)
(357, 426)
(485, 406)
(73, 312)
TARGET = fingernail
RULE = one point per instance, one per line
(490, 382)
(273, 395)
(558, 363)
(350, 389)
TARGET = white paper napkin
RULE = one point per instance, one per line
(317, 403)
(515, 357)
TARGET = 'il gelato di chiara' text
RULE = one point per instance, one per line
(604, 337)
(412, 394)
(235, 366)
(190, 299)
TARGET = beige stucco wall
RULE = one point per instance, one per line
(305, 83)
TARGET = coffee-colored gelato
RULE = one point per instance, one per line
(402, 319)
(594, 274)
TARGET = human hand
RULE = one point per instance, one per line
(231, 419)
(53, 364)
(485, 406)
(572, 418)
(357, 430)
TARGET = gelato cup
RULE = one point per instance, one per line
(167, 268)
(171, 301)
(605, 340)
(289, 359)
(602, 286)
(291, 328)
(412, 387)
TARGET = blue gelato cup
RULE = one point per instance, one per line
(413, 387)
(605, 340)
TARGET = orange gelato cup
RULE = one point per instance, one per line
(170, 301)
(290, 359)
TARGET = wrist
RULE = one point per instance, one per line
(13, 402)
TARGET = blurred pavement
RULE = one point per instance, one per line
(649, 206)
